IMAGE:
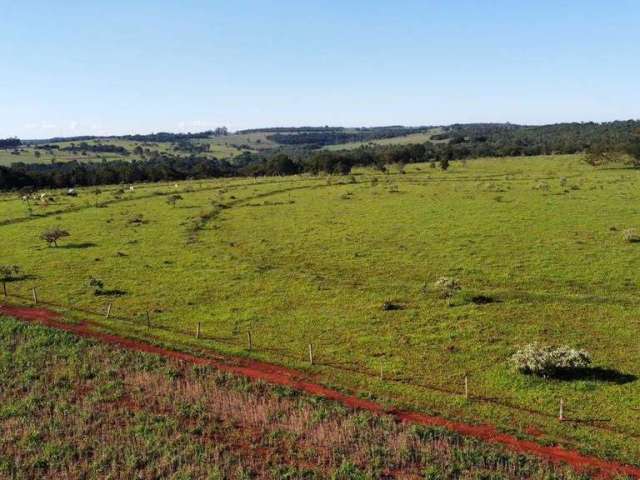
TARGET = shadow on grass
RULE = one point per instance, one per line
(596, 374)
(110, 293)
(20, 278)
(79, 246)
(576, 298)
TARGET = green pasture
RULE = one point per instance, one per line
(242, 141)
(312, 260)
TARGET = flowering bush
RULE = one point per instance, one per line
(548, 361)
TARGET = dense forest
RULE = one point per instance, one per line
(602, 142)
(481, 140)
(151, 137)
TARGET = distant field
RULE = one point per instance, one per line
(28, 154)
(300, 260)
(223, 147)
(247, 141)
(400, 140)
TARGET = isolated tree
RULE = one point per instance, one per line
(173, 199)
(444, 163)
(54, 234)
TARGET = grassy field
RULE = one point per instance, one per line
(400, 140)
(75, 409)
(243, 141)
(302, 260)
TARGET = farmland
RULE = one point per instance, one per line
(176, 420)
(31, 154)
(413, 138)
(347, 264)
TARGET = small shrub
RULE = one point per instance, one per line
(631, 235)
(547, 361)
(97, 285)
(173, 199)
(9, 273)
(447, 286)
(544, 186)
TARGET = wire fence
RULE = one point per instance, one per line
(311, 355)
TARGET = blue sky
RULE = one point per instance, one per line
(115, 67)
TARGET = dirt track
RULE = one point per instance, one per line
(294, 379)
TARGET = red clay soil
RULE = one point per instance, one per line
(294, 379)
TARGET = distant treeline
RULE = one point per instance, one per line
(162, 137)
(169, 167)
(458, 142)
(290, 129)
(482, 140)
(77, 174)
(151, 137)
(84, 147)
(10, 142)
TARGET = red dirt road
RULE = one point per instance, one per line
(297, 380)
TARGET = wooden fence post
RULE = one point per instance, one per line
(35, 295)
(249, 341)
(148, 320)
(198, 331)
(310, 354)
(466, 387)
(561, 416)
(108, 311)
(381, 378)
(4, 288)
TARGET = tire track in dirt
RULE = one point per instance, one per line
(297, 380)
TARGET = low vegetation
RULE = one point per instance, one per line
(74, 409)
(349, 267)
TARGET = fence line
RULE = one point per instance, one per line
(145, 320)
